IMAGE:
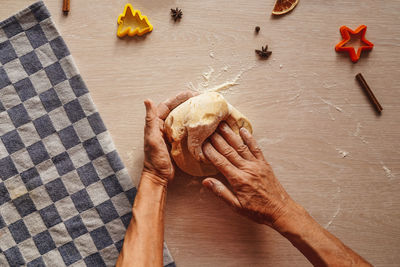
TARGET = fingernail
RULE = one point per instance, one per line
(244, 130)
(209, 183)
(147, 103)
(225, 127)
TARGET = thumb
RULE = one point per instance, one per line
(151, 112)
(220, 190)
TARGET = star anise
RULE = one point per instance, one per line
(176, 13)
(264, 53)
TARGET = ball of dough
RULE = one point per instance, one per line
(192, 122)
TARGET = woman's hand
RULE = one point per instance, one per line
(157, 161)
(256, 193)
(143, 242)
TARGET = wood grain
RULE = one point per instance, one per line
(305, 104)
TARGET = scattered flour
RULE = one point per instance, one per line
(210, 83)
(296, 96)
(206, 76)
(222, 72)
(339, 207)
(342, 153)
(388, 172)
(333, 217)
(264, 142)
(357, 133)
(332, 105)
(327, 86)
(358, 129)
(224, 86)
(130, 154)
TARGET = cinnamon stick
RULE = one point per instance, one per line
(66, 4)
(369, 92)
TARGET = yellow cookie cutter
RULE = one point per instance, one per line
(131, 22)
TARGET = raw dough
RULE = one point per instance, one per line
(192, 122)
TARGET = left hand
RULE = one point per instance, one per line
(157, 161)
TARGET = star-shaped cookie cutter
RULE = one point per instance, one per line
(130, 22)
(345, 32)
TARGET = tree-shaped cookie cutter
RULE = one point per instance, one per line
(131, 23)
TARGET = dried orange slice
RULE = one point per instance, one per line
(284, 6)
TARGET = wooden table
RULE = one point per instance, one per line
(328, 147)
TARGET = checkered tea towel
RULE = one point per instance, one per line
(65, 196)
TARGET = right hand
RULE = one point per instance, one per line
(256, 193)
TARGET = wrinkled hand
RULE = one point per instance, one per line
(157, 161)
(256, 193)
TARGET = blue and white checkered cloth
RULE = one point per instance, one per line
(65, 196)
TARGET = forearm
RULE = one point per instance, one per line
(319, 246)
(143, 244)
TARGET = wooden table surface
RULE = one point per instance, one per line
(306, 107)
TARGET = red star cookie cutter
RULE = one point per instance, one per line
(345, 31)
